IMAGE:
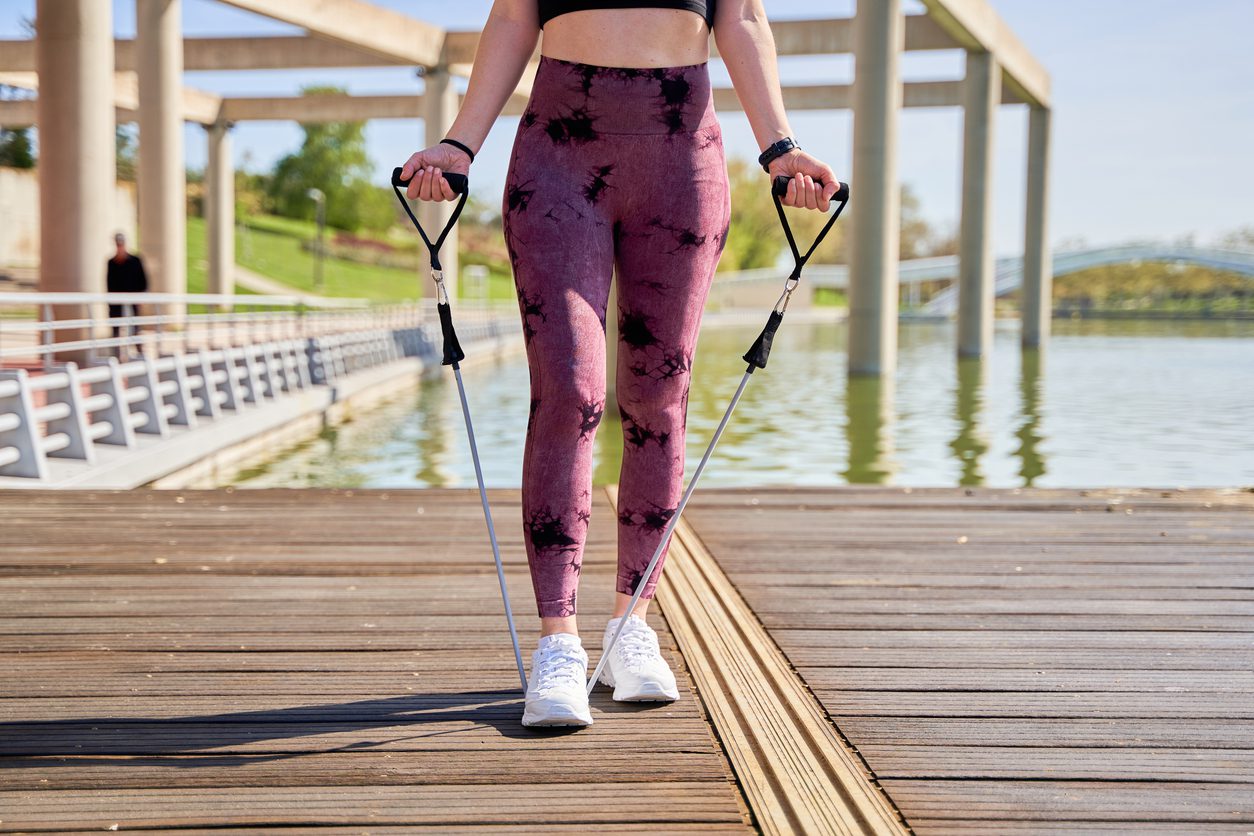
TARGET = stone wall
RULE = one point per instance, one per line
(19, 219)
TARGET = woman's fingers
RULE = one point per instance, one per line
(415, 179)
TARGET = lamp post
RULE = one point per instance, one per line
(321, 200)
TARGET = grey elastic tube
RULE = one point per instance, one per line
(666, 533)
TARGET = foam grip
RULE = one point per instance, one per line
(460, 183)
(779, 186)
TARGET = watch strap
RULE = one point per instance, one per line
(777, 149)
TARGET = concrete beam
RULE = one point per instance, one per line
(975, 26)
(206, 108)
(823, 36)
(383, 32)
(321, 108)
(793, 37)
(354, 108)
(198, 106)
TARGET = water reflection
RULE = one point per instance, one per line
(869, 411)
(1031, 461)
(801, 422)
(971, 442)
(431, 445)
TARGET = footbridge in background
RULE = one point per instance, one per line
(733, 287)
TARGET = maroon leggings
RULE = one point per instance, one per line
(614, 170)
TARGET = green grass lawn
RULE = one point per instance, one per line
(271, 247)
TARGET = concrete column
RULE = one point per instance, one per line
(162, 172)
(77, 174)
(981, 94)
(439, 109)
(879, 38)
(1038, 270)
(220, 210)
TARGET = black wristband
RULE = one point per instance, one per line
(776, 150)
(456, 144)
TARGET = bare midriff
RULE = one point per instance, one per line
(628, 37)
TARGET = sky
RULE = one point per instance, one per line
(1153, 112)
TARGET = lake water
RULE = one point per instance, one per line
(1108, 403)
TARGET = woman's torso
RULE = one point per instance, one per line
(675, 37)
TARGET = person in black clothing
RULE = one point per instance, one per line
(125, 275)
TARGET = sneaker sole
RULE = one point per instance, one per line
(648, 691)
(556, 718)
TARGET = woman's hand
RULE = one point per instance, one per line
(802, 171)
(425, 172)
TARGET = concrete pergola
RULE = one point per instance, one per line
(87, 81)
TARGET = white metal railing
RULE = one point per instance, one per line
(192, 368)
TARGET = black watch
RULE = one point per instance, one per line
(777, 149)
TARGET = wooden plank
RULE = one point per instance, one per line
(1016, 661)
(797, 774)
(340, 660)
(645, 803)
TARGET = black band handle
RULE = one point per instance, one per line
(459, 183)
(779, 187)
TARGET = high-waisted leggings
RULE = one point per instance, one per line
(615, 171)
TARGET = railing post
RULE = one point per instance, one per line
(20, 431)
(314, 361)
(300, 362)
(151, 403)
(225, 366)
(75, 424)
(183, 415)
(252, 375)
(205, 390)
(47, 337)
(118, 413)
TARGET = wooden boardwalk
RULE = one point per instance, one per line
(309, 658)
(1017, 661)
(972, 661)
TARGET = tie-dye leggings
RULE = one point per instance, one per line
(614, 171)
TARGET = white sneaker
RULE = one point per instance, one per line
(557, 692)
(636, 670)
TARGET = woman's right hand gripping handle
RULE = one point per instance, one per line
(424, 171)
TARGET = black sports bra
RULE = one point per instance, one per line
(550, 9)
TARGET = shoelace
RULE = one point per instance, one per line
(559, 667)
(637, 645)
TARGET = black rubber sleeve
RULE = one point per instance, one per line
(761, 349)
(453, 353)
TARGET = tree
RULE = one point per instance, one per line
(125, 145)
(15, 144)
(332, 158)
(15, 148)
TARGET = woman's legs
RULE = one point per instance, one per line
(562, 252)
(605, 161)
(667, 254)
